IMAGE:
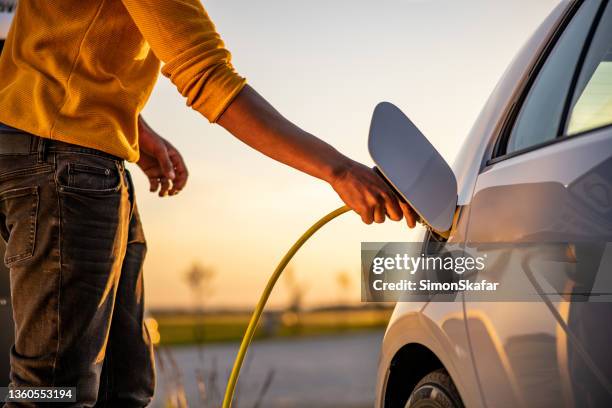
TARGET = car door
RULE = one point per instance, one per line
(542, 211)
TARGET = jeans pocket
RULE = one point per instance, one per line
(20, 208)
(86, 173)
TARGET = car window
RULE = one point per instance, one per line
(540, 116)
(592, 101)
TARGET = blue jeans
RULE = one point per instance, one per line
(75, 249)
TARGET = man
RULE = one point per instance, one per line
(74, 76)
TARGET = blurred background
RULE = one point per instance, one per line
(324, 65)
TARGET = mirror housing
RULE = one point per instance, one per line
(413, 167)
(7, 11)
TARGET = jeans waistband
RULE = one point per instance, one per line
(14, 141)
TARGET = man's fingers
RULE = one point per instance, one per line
(153, 184)
(165, 186)
(163, 158)
(180, 180)
(367, 214)
(408, 214)
(180, 169)
(393, 209)
(177, 185)
(380, 214)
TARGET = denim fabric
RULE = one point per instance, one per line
(75, 249)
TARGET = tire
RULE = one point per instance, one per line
(435, 390)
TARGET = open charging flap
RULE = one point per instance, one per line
(413, 167)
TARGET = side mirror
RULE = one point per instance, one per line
(7, 11)
(413, 167)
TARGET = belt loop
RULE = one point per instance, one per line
(41, 149)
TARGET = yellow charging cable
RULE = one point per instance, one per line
(250, 331)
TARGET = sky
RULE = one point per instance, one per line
(324, 65)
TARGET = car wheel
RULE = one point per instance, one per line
(435, 390)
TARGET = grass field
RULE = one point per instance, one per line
(183, 328)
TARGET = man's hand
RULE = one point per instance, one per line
(160, 161)
(368, 195)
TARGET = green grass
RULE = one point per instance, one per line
(185, 329)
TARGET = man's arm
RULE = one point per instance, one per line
(254, 121)
(182, 35)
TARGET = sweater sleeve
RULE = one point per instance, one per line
(182, 35)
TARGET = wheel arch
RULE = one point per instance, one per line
(410, 363)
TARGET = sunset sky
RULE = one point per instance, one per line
(324, 65)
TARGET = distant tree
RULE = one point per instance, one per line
(291, 316)
(199, 279)
(296, 289)
(344, 282)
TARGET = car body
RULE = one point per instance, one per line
(518, 182)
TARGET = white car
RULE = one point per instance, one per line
(536, 168)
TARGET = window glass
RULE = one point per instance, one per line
(540, 116)
(592, 102)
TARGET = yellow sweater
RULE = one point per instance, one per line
(80, 71)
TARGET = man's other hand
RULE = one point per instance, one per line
(160, 161)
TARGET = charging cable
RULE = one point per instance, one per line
(250, 331)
